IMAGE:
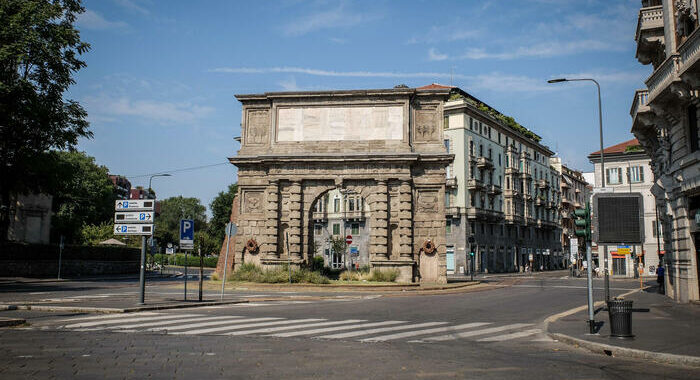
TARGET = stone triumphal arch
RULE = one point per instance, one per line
(384, 145)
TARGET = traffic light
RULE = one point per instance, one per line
(583, 222)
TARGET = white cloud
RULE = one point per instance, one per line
(289, 84)
(327, 19)
(498, 82)
(544, 50)
(132, 6)
(93, 20)
(331, 73)
(109, 108)
(433, 55)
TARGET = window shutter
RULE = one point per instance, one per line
(607, 176)
(641, 173)
(629, 175)
(619, 176)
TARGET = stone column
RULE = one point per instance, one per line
(295, 220)
(379, 222)
(269, 246)
(405, 220)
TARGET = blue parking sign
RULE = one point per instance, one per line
(186, 231)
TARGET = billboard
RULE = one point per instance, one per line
(618, 218)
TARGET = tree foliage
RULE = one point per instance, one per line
(171, 211)
(220, 208)
(39, 54)
(82, 191)
(93, 234)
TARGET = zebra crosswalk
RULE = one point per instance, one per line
(362, 330)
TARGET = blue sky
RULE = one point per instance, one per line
(161, 75)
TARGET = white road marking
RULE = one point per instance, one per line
(171, 322)
(500, 338)
(133, 319)
(308, 325)
(245, 326)
(379, 330)
(231, 321)
(105, 316)
(319, 331)
(424, 332)
(468, 334)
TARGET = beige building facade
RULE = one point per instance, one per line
(503, 197)
(666, 121)
(383, 148)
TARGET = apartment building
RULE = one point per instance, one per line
(665, 120)
(502, 198)
(628, 170)
(575, 192)
(337, 215)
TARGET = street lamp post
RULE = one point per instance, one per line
(602, 182)
(142, 273)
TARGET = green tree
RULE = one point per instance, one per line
(171, 211)
(83, 193)
(209, 245)
(220, 208)
(39, 54)
(93, 234)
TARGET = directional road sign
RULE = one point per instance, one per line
(133, 229)
(186, 233)
(624, 249)
(231, 229)
(134, 217)
(134, 205)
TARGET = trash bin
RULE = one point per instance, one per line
(620, 313)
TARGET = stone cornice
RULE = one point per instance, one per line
(323, 158)
(342, 94)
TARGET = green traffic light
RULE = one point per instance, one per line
(584, 221)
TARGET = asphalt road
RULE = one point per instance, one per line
(492, 331)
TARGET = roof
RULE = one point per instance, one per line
(111, 241)
(616, 149)
(435, 86)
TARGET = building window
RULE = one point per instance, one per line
(336, 205)
(499, 137)
(481, 150)
(318, 229)
(336, 228)
(499, 159)
(448, 226)
(471, 123)
(447, 145)
(636, 174)
(613, 176)
(472, 200)
(446, 124)
(355, 228)
(489, 153)
(471, 148)
(351, 204)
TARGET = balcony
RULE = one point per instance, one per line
(689, 53)
(513, 219)
(527, 197)
(551, 204)
(566, 201)
(539, 201)
(511, 171)
(525, 175)
(639, 103)
(451, 182)
(484, 163)
(662, 77)
(650, 35)
(354, 215)
(564, 184)
(510, 193)
(319, 216)
(474, 184)
(476, 213)
(494, 189)
(452, 211)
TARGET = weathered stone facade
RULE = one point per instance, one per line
(385, 145)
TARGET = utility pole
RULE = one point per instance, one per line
(60, 254)
(201, 269)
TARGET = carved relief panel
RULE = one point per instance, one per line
(427, 201)
(257, 127)
(426, 126)
(253, 202)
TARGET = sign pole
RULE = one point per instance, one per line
(142, 273)
(289, 257)
(589, 258)
(230, 231)
(60, 254)
(201, 269)
(186, 275)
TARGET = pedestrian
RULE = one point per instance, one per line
(597, 271)
(660, 278)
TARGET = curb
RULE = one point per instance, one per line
(611, 350)
(9, 322)
(352, 287)
(109, 310)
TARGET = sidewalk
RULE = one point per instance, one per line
(664, 330)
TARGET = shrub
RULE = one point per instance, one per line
(386, 275)
(253, 273)
(317, 263)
